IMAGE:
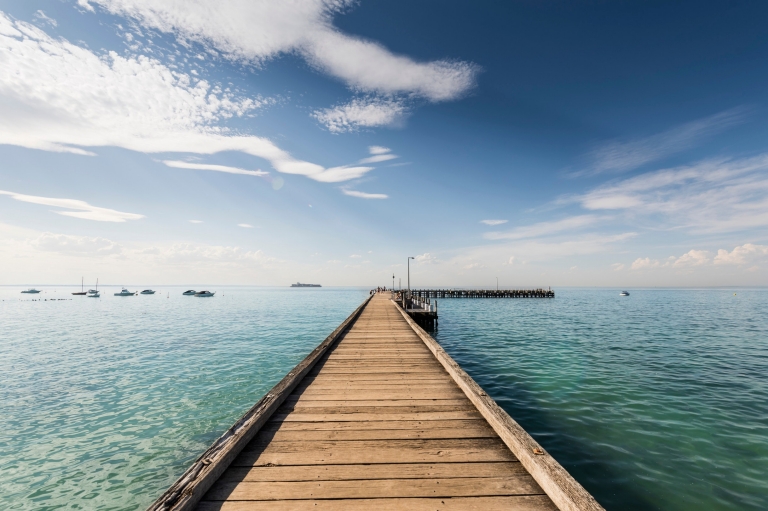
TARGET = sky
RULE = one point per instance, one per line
(531, 143)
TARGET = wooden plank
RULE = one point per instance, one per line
(353, 407)
(371, 425)
(374, 451)
(375, 434)
(304, 416)
(376, 471)
(522, 484)
(343, 404)
(360, 394)
(517, 503)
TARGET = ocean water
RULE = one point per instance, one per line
(658, 400)
(654, 401)
(105, 402)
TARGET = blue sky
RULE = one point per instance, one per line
(243, 142)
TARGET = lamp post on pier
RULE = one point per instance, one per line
(393, 282)
(409, 274)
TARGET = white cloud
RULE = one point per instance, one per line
(744, 254)
(76, 245)
(81, 209)
(368, 112)
(355, 256)
(196, 221)
(623, 156)
(39, 14)
(426, 258)
(715, 195)
(510, 261)
(493, 222)
(693, 258)
(378, 158)
(617, 266)
(258, 30)
(377, 149)
(544, 228)
(58, 96)
(338, 174)
(364, 195)
(247, 226)
(216, 168)
(640, 264)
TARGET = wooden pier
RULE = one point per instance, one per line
(483, 293)
(377, 417)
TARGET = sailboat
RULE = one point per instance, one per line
(82, 291)
(94, 293)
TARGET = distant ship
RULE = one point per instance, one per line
(299, 284)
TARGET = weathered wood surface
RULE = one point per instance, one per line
(378, 423)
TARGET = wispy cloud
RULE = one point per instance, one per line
(493, 222)
(364, 195)
(243, 30)
(76, 245)
(618, 156)
(246, 226)
(368, 112)
(339, 174)
(378, 158)
(196, 221)
(544, 228)
(216, 168)
(713, 195)
(377, 149)
(81, 209)
(137, 103)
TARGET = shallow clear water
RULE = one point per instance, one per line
(105, 402)
(654, 401)
(658, 400)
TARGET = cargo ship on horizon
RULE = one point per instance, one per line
(299, 284)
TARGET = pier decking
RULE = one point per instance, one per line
(381, 418)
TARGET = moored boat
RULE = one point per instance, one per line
(189, 292)
(204, 294)
(31, 291)
(94, 293)
(82, 290)
(148, 292)
(624, 293)
(125, 292)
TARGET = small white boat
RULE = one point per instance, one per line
(203, 294)
(147, 292)
(125, 292)
(94, 293)
(31, 291)
(624, 293)
(189, 292)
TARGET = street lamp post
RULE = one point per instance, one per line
(409, 274)
(393, 282)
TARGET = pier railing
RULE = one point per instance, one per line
(482, 293)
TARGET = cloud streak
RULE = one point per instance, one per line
(709, 196)
(619, 156)
(544, 228)
(216, 168)
(82, 209)
(364, 195)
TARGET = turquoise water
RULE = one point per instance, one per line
(655, 401)
(105, 402)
